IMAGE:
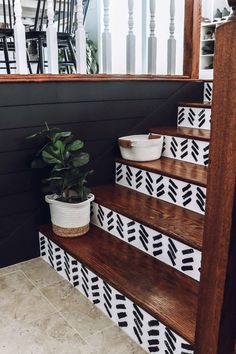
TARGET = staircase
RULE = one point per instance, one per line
(140, 263)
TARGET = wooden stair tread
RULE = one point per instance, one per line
(179, 223)
(181, 132)
(195, 104)
(161, 291)
(184, 171)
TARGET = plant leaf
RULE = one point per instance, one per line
(75, 145)
(80, 160)
(60, 135)
(49, 158)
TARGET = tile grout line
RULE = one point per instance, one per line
(58, 311)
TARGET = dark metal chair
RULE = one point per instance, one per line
(65, 17)
(7, 44)
(6, 34)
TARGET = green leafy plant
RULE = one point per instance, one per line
(62, 154)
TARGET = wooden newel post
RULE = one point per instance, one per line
(20, 40)
(106, 40)
(171, 45)
(52, 46)
(152, 40)
(215, 333)
(130, 41)
(80, 39)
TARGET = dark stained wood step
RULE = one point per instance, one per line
(166, 294)
(179, 223)
(187, 133)
(195, 104)
(184, 171)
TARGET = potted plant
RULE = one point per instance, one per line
(69, 198)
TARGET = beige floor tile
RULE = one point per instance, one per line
(40, 272)
(7, 270)
(114, 341)
(51, 335)
(77, 310)
(20, 300)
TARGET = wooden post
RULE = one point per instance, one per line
(20, 40)
(130, 41)
(215, 332)
(106, 40)
(52, 46)
(171, 45)
(192, 34)
(152, 40)
(80, 39)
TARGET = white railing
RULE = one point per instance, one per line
(106, 47)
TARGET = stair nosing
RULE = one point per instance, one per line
(47, 232)
(206, 105)
(165, 173)
(145, 222)
(178, 134)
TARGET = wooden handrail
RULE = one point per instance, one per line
(192, 32)
(217, 306)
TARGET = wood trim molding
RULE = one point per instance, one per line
(192, 33)
(99, 77)
(215, 327)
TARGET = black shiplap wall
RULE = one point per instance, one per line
(98, 112)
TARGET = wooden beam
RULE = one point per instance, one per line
(216, 310)
(192, 33)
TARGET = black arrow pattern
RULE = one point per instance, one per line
(143, 328)
(160, 246)
(208, 90)
(186, 150)
(171, 190)
(194, 117)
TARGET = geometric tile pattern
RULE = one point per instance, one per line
(189, 150)
(208, 91)
(143, 328)
(176, 254)
(183, 194)
(194, 117)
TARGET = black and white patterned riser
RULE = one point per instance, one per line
(189, 150)
(143, 328)
(184, 194)
(208, 90)
(169, 251)
(194, 117)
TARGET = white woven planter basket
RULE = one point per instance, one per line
(68, 219)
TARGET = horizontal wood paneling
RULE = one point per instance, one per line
(97, 112)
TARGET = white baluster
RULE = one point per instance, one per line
(80, 38)
(171, 45)
(130, 41)
(20, 40)
(152, 40)
(52, 47)
(106, 40)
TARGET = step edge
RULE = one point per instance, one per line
(206, 105)
(164, 173)
(180, 135)
(173, 235)
(151, 311)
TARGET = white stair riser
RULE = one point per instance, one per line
(143, 328)
(169, 251)
(183, 194)
(189, 150)
(194, 117)
(208, 90)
